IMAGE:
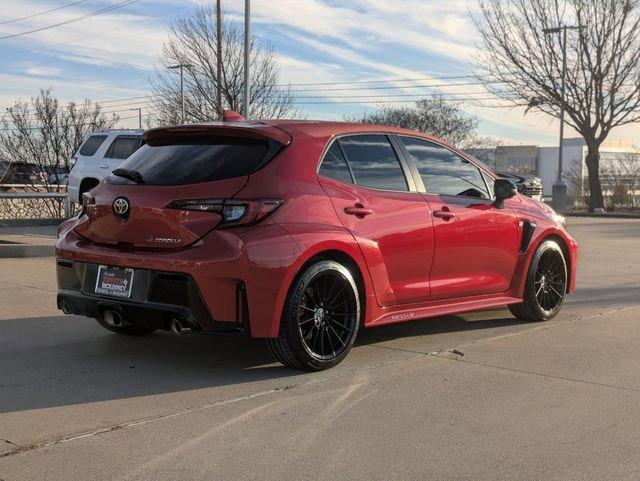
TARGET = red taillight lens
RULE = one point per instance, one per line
(233, 212)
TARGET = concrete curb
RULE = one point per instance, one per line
(9, 251)
(608, 215)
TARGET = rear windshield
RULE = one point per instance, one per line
(196, 159)
(92, 144)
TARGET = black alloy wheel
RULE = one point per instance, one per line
(546, 284)
(320, 319)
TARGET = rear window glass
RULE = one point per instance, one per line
(197, 159)
(92, 144)
(123, 147)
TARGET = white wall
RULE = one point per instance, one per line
(573, 158)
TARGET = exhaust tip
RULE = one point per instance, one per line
(65, 307)
(176, 327)
(112, 318)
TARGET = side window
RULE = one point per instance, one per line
(373, 162)
(444, 172)
(490, 182)
(334, 165)
(92, 144)
(123, 147)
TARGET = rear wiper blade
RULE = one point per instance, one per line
(133, 175)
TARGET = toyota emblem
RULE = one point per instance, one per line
(121, 207)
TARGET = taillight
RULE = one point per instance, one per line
(233, 212)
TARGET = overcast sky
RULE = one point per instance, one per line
(112, 56)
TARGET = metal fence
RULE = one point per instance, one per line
(34, 205)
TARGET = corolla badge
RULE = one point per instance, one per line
(162, 240)
(121, 206)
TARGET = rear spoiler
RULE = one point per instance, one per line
(248, 130)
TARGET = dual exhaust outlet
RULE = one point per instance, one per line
(115, 319)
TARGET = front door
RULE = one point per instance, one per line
(476, 243)
(392, 226)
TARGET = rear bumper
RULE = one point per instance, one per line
(157, 300)
(224, 266)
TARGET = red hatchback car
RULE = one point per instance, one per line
(301, 232)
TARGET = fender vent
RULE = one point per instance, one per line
(528, 227)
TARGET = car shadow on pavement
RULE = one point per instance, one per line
(64, 360)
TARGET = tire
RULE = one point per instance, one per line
(127, 330)
(546, 285)
(320, 319)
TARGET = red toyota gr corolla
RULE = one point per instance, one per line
(302, 232)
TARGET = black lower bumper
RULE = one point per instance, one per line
(158, 299)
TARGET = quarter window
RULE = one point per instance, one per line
(123, 147)
(443, 172)
(92, 144)
(334, 165)
(373, 162)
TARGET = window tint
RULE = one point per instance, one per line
(490, 183)
(373, 162)
(444, 172)
(123, 147)
(196, 159)
(334, 165)
(92, 144)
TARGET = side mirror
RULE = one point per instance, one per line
(503, 189)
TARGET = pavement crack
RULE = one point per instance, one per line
(12, 443)
(139, 422)
(541, 374)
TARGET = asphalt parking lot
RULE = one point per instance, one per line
(555, 401)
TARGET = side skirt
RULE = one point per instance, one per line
(397, 314)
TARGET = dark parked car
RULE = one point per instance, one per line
(529, 186)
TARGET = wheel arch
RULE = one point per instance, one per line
(87, 184)
(333, 244)
(565, 252)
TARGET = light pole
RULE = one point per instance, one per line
(247, 40)
(559, 188)
(139, 109)
(181, 66)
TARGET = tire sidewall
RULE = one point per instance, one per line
(530, 287)
(290, 323)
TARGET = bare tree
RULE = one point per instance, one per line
(435, 116)
(45, 134)
(522, 64)
(193, 42)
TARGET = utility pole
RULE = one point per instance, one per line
(219, 57)
(139, 109)
(181, 66)
(559, 188)
(247, 42)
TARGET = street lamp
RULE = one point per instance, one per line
(247, 40)
(181, 66)
(139, 109)
(559, 188)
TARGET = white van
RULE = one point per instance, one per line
(100, 153)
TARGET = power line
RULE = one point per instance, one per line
(125, 3)
(6, 22)
(419, 79)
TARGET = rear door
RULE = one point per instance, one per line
(476, 244)
(122, 147)
(377, 203)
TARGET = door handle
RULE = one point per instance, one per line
(358, 210)
(445, 214)
(104, 166)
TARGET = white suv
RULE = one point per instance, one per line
(100, 153)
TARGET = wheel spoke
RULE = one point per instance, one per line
(338, 336)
